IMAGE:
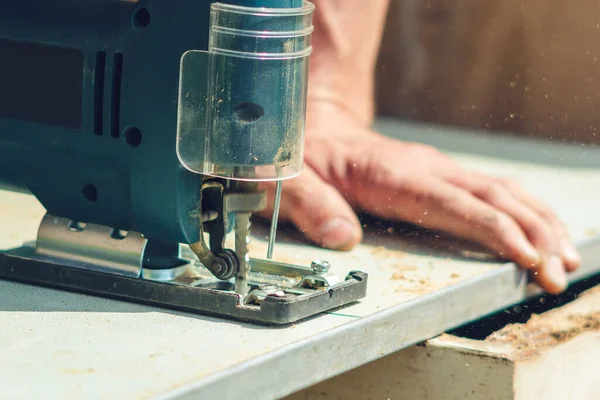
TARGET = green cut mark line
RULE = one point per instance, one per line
(343, 315)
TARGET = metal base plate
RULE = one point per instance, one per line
(24, 265)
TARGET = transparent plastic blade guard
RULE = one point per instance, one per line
(242, 103)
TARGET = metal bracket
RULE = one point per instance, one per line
(90, 246)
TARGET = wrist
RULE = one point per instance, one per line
(342, 67)
(331, 123)
(355, 103)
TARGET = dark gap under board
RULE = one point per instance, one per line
(521, 312)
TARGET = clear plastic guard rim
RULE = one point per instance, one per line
(256, 180)
(260, 56)
(264, 34)
(307, 8)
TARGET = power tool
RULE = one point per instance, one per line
(144, 129)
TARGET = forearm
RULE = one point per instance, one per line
(346, 44)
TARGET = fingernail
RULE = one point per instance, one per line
(570, 253)
(556, 272)
(339, 234)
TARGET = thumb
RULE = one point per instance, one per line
(317, 209)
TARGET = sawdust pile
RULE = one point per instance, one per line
(397, 276)
(383, 253)
(552, 328)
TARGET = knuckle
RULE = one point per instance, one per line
(545, 212)
(500, 224)
(536, 226)
(493, 193)
(380, 173)
(413, 189)
(510, 183)
(548, 214)
(542, 209)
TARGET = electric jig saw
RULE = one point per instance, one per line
(144, 128)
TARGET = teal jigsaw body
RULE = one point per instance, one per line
(88, 109)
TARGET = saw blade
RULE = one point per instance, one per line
(242, 240)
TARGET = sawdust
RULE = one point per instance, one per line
(542, 332)
(591, 232)
(404, 268)
(409, 285)
(397, 276)
(383, 253)
(76, 371)
(532, 338)
(401, 274)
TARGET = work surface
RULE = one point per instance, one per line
(59, 344)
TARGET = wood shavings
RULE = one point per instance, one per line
(397, 276)
(382, 252)
(591, 232)
(552, 328)
(409, 285)
(402, 267)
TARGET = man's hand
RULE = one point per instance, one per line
(349, 167)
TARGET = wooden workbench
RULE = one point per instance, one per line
(552, 356)
(65, 345)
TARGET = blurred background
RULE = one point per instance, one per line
(523, 68)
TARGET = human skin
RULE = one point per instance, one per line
(350, 168)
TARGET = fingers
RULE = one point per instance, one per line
(318, 210)
(540, 224)
(568, 251)
(544, 234)
(438, 205)
(540, 231)
(551, 275)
